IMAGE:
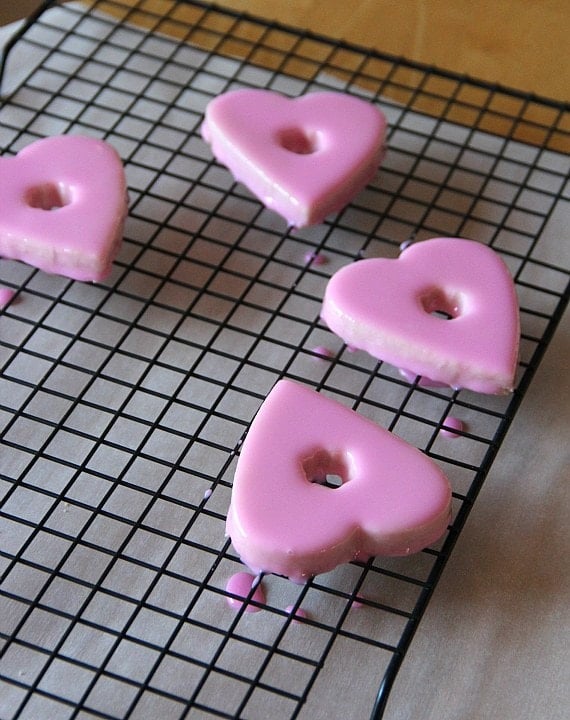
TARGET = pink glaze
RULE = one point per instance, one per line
(63, 201)
(298, 613)
(451, 426)
(241, 584)
(323, 352)
(422, 381)
(386, 306)
(6, 296)
(304, 158)
(393, 500)
(316, 258)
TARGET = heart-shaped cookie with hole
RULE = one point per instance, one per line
(63, 202)
(445, 309)
(303, 157)
(317, 485)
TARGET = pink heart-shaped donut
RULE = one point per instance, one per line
(445, 309)
(392, 500)
(305, 157)
(63, 202)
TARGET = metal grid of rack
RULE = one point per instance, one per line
(124, 403)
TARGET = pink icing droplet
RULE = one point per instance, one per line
(422, 382)
(298, 613)
(241, 584)
(6, 296)
(452, 424)
(316, 258)
(323, 352)
(358, 603)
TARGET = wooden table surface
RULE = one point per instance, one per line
(522, 44)
(519, 43)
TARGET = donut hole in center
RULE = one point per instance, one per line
(48, 196)
(299, 140)
(440, 303)
(329, 469)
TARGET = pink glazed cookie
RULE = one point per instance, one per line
(446, 309)
(63, 202)
(305, 157)
(285, 519)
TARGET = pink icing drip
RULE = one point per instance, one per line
(316, 258)
(422, 382)
(323, 352)
(6, 295)
(298, 613)
(451, 425)
(241, 584)
(357, 602)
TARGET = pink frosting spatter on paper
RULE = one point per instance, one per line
(388, 307)
(6, 296)
(393, 500)
(314, 258)
(452, 427)
(242, 584)
(322, 352)
(304, 157)
(63, 202)
(298, 613)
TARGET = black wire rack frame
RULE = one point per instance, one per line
(125, 403)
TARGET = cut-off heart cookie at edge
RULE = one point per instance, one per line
(318, 485)
(445, 309)
(63, 202)
(304, 157)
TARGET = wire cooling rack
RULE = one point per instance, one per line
(124, 404)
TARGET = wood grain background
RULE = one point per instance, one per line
(522, 44)
(519, 43)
